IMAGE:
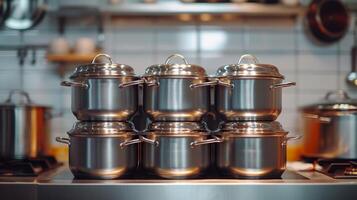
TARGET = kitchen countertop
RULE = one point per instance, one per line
(60, 184)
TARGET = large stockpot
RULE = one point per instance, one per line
(176, 150)
(249, 91)
(99, 93)
(252, 149)
(176, 92)
(330, 127)
(101, 150)
(24, 128)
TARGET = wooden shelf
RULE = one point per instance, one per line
(175, 8)
(71, 58)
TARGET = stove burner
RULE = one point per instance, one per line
(28, 166)
(338, 168)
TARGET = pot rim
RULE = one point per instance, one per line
(177, 134)
(118, 134)
(254, 135)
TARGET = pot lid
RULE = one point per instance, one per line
(176, 126)
(102, 70)
(24, 101)
(99, 128)
(254, 128)
(337, 100)
(176, 69)
(249, 66)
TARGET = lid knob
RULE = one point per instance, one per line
(102, 55)
(175, 56)
(248, 57)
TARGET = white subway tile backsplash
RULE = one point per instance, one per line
(10, 79)
(318, 63)
(43, 80)
(270, 41)
(139, 61)
(345, 65)
(134, 39)
(177, 39)
(307, 44)
(221, 39)
(317, 82)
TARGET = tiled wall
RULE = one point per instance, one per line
(315, 69)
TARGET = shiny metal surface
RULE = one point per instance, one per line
(176, 127)
(103, 91)
(99, 128)
(104, 100)
(330, 127)
(24, 129)
(102, 69)
(254, 128)
(59, 184)
(330, 136)
(176, 69)
(173, 156)
(249, 91)
(251, 157)
(102, 156)
(174, 100)
(249, 100)
(252, 68)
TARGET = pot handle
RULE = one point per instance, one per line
(152, 83)
(102, 55)
(215, 139)
(250, 57)
(74, 84)
(204, 84)
(129, 142)
(176, 56)
(222, 83)
(296, 137)
(147, 140)
(63, 140)
(282, 85)
(321, 119)
(22, 93)
(131, 83)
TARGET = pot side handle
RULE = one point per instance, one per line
(215, 139)
(63, 140)
(149, 141)
(296, 137)
(131, 83)
(74, 84)
(204, 84)
(282, 85)
(130, 142)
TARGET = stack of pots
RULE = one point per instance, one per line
(176, 97)
(249, 96)
(102, 143)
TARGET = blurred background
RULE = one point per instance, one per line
(144, 32)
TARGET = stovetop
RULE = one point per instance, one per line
(27, 166)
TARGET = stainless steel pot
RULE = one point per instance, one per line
(104, 91)
(252, 149)
(176, 92)
(24, 131)
(330, 127)
(176, 150)
(249, 91)
(101, 150)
